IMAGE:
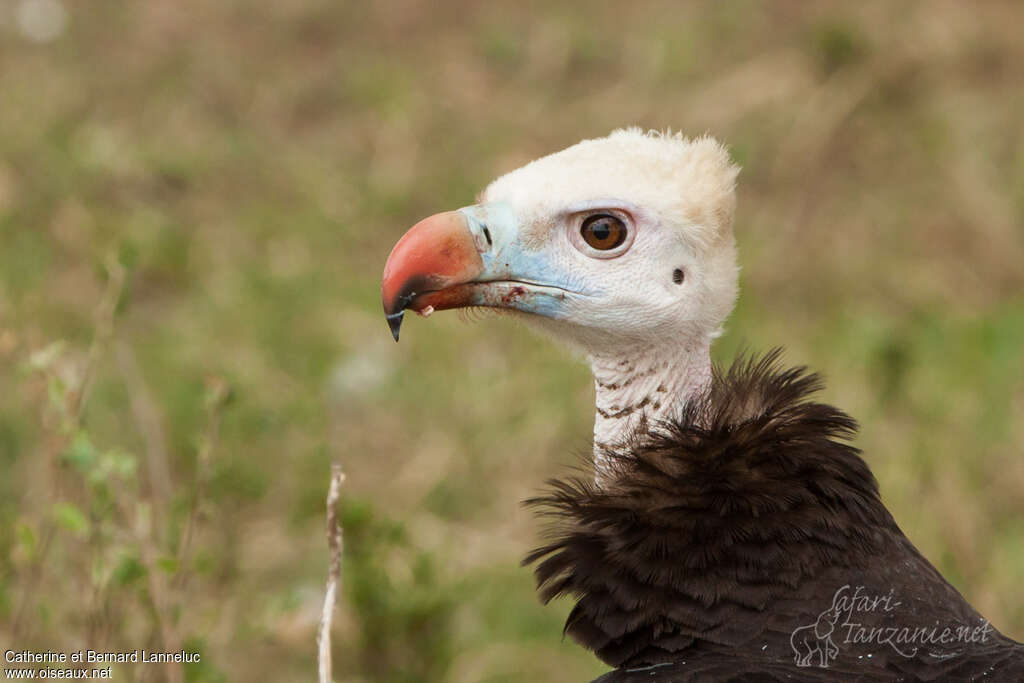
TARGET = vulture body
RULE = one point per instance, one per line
(730, 531)
(746, 540)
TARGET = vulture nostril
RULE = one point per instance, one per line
(487, 236)
(677, 276)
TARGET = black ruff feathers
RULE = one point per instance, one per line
(713, 537)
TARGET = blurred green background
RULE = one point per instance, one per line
(196, 202)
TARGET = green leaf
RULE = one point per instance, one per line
(81, 454)
(128, 570)
(71, 518)
(56, 394)
(122, 463)
(26, 536)
(167, 564)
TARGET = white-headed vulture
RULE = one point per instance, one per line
(730, 531)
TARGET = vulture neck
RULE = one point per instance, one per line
(645, 383)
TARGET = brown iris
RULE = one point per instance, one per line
(603, 231)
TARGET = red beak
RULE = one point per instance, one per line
(427, 266)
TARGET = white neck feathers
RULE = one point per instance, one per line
(645, 382)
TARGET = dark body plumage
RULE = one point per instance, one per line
(746, 541)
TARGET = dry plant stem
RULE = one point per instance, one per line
(150, 423)
(159, 604)
(103, 329)
(334, 546)
(215, 401)
(157, 596)
(160, 591)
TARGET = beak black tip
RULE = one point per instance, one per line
(395, 323)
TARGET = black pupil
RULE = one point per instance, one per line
(604, 232)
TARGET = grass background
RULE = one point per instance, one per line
(196, 201)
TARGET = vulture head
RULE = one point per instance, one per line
(621, 247)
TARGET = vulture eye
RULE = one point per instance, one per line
(603, 231)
